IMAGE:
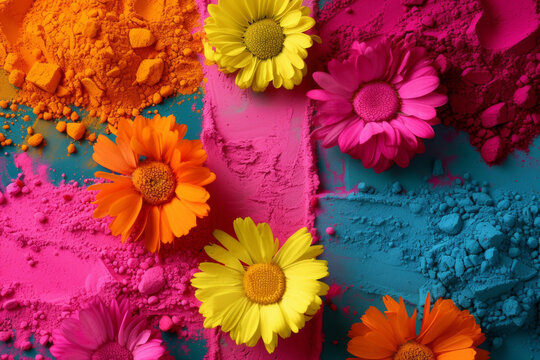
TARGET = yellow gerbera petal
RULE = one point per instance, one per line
(260, 28)
(250, 294)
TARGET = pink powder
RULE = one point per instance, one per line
(486, 52)
(55, 262)
(260, 149)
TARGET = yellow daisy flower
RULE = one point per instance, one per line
(263, 40)
(260, 290)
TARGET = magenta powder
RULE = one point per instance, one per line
(56, 257)
(486, 52)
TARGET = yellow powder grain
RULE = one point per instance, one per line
(24, 147)
(75, 130)
(61, 126)
(29, 130)
(141, 38)
(92, 137)
(14, 107)
(2, 137)
(35, 140)
(150, 71)
(3, 104)
(71, 149)
(45, 76)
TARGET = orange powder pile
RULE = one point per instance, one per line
(111, 57)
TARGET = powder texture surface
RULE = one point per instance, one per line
(112, 58)
(485, 51)
(56, 258)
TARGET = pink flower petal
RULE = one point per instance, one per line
(422, 111)
(418, 87)
(418, 127)
(432, 99)
(364, 68)
(382, 165)
(327, 82)
(320, 95)
(406, 134)
(422, 71)
(330, 134)
(371, 129)
(345, 74)
(348, 139)
(335, 107)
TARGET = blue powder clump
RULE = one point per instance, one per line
(465, 242)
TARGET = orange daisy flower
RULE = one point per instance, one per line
(446, 334)
(160, 186)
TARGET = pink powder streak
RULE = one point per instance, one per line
(260, 149)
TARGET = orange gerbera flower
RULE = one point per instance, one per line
(447, 333)
(160, 187)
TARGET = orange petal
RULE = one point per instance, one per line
(193, 193)
(464, 354)
(482, 354)
(452, 343)
(200, 209)
(376, 321)
(127, 153)
(125, 128)
(152, 229)
(107, 154)
(358, 329)
(105, 203)
(196, 175)
(443, 318)
(368, 347)
(169, 143)
(127, 210)
(181, 219)
(167, 236)
(106, 189)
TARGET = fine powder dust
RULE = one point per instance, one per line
(486, 52)
(56, 258)
(111, 57)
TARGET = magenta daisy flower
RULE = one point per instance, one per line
(379, 103)
(101, 332)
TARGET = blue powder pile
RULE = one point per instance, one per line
(465, 242)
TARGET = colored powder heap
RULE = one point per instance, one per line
(486, 51)
(111, 57)
(467, 242)
(56, 257)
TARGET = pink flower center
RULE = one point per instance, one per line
(376, 102)
(112, 351)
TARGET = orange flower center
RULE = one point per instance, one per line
(376, 102)
(155, 181)
(264, 39)
(264, 283)
(414, 351)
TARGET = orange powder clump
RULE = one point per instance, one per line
(114, 58)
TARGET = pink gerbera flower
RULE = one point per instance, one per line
(378, 104)
(101, 332)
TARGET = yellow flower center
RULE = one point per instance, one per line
(264, 283)
(264, 39)
(414, 351)
(155, 181)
